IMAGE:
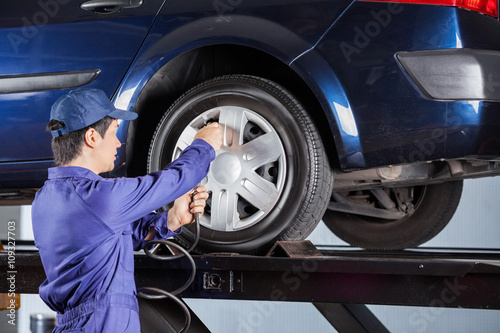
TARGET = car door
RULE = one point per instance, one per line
(48, 47)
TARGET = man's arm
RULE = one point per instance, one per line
(148, 227)
(121, 201)
(167, 224)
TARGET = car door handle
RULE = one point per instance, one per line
(109, 6)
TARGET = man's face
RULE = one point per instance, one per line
(106, 150)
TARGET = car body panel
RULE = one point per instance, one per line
(179, 28)
(325, 84)
(58, 37)
(395, 122)
(345, 51)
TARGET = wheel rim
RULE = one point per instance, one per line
(246, 178)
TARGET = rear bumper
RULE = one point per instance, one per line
(454, 74)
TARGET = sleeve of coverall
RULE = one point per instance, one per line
(121, 201)
(141, 227)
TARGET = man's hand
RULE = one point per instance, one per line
(211, 134)
(182, 212)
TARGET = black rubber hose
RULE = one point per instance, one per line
(156, 293)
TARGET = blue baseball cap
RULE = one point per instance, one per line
(82, 107)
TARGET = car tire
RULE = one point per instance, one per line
(273, 182)
(433, 207)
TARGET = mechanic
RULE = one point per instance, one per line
(86, 227)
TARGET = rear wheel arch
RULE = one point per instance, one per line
(195, 66)
(263, 206)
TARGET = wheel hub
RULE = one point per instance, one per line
(226, 168)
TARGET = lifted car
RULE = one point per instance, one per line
(366, 114)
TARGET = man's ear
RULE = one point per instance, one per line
(92, 137)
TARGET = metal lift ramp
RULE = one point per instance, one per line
(338, 281)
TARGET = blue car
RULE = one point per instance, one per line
(366, 114)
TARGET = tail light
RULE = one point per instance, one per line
(489, 7)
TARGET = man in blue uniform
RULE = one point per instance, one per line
(86, 227)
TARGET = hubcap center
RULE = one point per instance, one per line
(226, 168)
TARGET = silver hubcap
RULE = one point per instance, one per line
(246, 178)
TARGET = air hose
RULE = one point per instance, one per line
(156, 293)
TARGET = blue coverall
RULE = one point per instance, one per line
(86, 228)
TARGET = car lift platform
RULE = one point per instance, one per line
(339, 281)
